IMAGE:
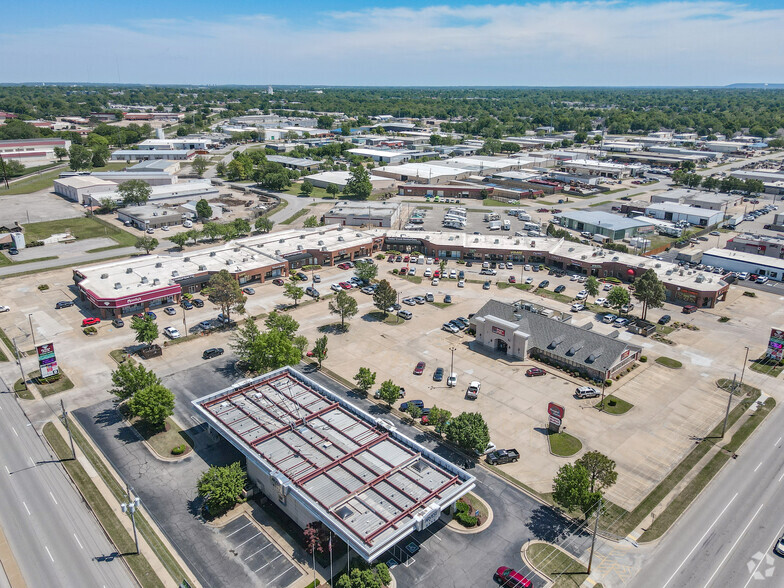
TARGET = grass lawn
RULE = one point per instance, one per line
(440, 304)
(33, 183)
(414, 279)
(295, 190)
(6, 340)
(565, 571)
(725, 383)
(106, 514)
(664, 329)
(746, 429)
(554, 295)
(82, 228)
(5, 261)
(765, 366)
(564, 444)
(669, 362)
(503, 285)
(600, 203)
(295, 216)
(21, 391)
(391, 319)
(614, 405)
(61, 385)
(278, 207)
(493, 202)
(3, 356)
(162, 440)
(476, 505)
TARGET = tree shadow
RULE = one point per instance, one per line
(547, 525)
(108, 417)
(333, 329)
(375, 316)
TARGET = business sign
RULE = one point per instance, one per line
(555, 421)
(556, 410)
(47, 361)
(776, 344)
(498, 331)
(625, 354)
(121, 301)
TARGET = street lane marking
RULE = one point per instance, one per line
(53, 498)
(754, 572)
(79, 542)
(25, 505)
(49, 552)
(14, 430)
(733, 546)
(777, 442)
(758, 466)
(782, 476)
(7, 471)
(696, 545)
(32, 461)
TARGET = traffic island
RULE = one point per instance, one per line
(51, 385)
(170, 443)
(557, 566)
(23, 391)
(472, 515)
(563, 444)
(614, 405)
(669, 362)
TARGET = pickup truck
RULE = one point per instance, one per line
(473, 390)
(502, 456)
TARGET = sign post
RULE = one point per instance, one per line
(776, 345)
(555, 413)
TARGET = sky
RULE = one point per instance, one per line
(394, 42)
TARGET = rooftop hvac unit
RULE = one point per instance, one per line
(281, 240)
(229, 261)
(212, 253)
(320, 243)
(616, 258)
(202, 268)
(187, 259)
(117, 286)
(341, 239)
(496, 241)
(236, 249)
(277, 252)
(158, 264)
(571, 249)
(155, 282)
(299, 248)
(657, 265)
(128, 270)
(144, 279)
(323, 248)
(104, 276)
(302, 236)
(175, 273)
(359, 234)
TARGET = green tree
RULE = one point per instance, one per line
(153, 404)
(146, 243)
(592, 286)
(343, 305)
(199, 165)
(243, 341)
(413, 411)
(618, 296)
(130, 377)
(311, 222)
(384, 296)
(146, 329)
(333, 190)
(365, 379)
(241, 226)
(179, 239)
(134, 192)
(468, 431)
(358, 185)
(221, 487)
(284, 323)
(649, 290)
(294, 292)
(272, 350)
(572, 489)
(80, 157)
(212, 230)
(439, 417)
(203, 209)
(324, 122)
(389, 392)
(60, 153)
(678, 177)
(264, 224)
(710, 183)
(320, 349)
(223, 290)
(99, 157)
(366, 271)
(221, 169)
(307, 188)
(600, 468)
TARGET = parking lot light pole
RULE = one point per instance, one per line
(131, 507)
(19, 363)
(595, 530)
(743, 369)
(452, 368)
(32, 332)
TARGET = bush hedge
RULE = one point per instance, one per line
(465, 519)
(643, 359)
(179, 450)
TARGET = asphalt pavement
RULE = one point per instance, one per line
(55, 538)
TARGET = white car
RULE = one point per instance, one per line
(171, 333)
(450, 328)
(461, 284)
(573, 278)
(600, 301)
(489, 449)
(451, 381)
(577, 307)
(582, 295)
(429, 260)
(509, 265)
(453, 274)
(335, 287)
(743, 276)
(165, 228)
(473, 389)
(607, 287)
(529, 280)
(434, 282)
(4, 309)
(428, 273)
(409, 301)
(412, 271)
(527, 267)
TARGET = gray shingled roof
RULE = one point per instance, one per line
(566, 341)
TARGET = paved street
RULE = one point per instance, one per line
(55, 539)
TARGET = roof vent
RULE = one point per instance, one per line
(158, 264)
(277, 252)
(320, 243)
(144, 279)
(299, 248)
(281, 240)
(117, 286)
(341, 238)
(202, 268)
(155, 282)
(302, 236)
(212, 253)
(175, 273)
(104, 276)
(187, 259)
(571, 249)
(616, 258)
(323, 248)
(128, 270)
(359, 234)
(229, 261)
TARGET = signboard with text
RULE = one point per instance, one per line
(499, 331)
(776, 344)
(556, 410)
(47, 361)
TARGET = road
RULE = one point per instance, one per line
(726, 537)
(56, 540)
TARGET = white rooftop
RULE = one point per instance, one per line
(85, 181)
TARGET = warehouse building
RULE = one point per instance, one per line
(741, 261)
(445, 191)
(610, 225)
(78, 188)
(697, 198)
(670, 211)
(601, 169)
(387, 155)
(150, 216)
(364, 214)
(31, 151)
(320, 458)
(181, 192)
(423, 173)
(145, 154)
(341, 178)
(765, 245)
(160, 166)
(297, 163)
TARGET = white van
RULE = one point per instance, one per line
(187, 224)
(492, 216)
(507, 225)
(523, 216)
(529, 226)
(421, 260)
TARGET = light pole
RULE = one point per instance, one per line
(452, 367)
(32, 333)
(595, 530)
(67, 427)
(19, 363)
(743, 369)
(131, 507)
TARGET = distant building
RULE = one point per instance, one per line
(297, 163)
(603, 223)
(445, 191)
(423, 173)
(181, 192)
(31, 151)
(145, 154)
(679, 212)
(369, 214)
(740, 261)
(766, 245)
(79, 188)
(150, 216)
(340, 179)
(386, 155)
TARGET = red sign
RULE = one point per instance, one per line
(498, 331)
(556, 410)
(135, 299)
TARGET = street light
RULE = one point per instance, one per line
(452, 368)
(19, 363)
(30, 318)
(131, 507)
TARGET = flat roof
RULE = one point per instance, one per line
(348, 207)
(369, 484)
(291, 160)
(364, 151)
(604, 219)
(147, 152)
(742, 256)
(424, 170)
(83, 181)
(684, 209)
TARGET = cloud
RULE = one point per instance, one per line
(541, 43)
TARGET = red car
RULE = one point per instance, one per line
(542, 210)
(509, 577)
(437, 274)
(403, 271)
(512, 279)
(346, 285)
(425, 420)
(278, 282)
(391, 258)
(406, 259)
(689, 308)
(535, 372)
(419, 369)
(343, 266)
(90, 321)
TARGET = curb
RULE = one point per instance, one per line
(453, 525)
(527, 562)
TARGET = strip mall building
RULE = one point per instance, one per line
(145, 282)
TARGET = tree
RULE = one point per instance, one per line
(223, 290)
(324, 122)
(307, 188)
(649, 290)
(358, 184)
(469, 431)
(221, 169)
(130, 377)
(60, 153)
(572, 489)
(592, 286)
(146, 243)
(333, 190)
(203, 209)
(264, 224)
(272, 350)
(146, 329)
(366, 270)
(294, 292)
(221, 487)
(439, 417)
(284, 323)
(365, 379)
(618, 297)
(80, 157)
(244, 339)
(389, 392)
(212, 230)
(343, 305)
(320, 349)
(241, 226)
(153, 404)
(199, 165)
(311, 222)
(134, 192)
(413, 411)
(600, 468)
(179, 239)
(710, 183)
(384, 296)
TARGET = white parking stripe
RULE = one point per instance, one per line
(268, 563)
(279, 575)
(237, 531)
(259, 551)
(246, 540)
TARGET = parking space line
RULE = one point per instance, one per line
(238, 530)
(268, 563)
(279, 575)
(259, 551)
(246, 540)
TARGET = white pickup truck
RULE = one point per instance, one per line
(473, 390)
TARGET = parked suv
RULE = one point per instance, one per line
(586, 392)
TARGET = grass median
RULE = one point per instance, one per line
(614, 405)
(563, 569)
(564, 444)
(106, 514)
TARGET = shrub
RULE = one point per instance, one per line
(380, 256)
(43, 287)
(89, 330)
(724, 319)
(643, 358)
(179, 450)
(608, 382)
(187, 296)
(465, 519)
(462, 507)
(35, 244)
(750, 294)
(395, 271)
(382, 571)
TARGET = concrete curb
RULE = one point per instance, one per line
(550, 449)
(453, 525)
(526, 561)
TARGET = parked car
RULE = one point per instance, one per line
(63, 304)
(88, 322)
(404, 406)
(13, 251)
(489, 448)
(600, 301)
(582, 295)
(529, 280)
(621, 322)
(118, 323)
(665, 319)
(447, 299)
(779, 547)
(473, 389)
(560, 288)
(461, 284)
(486, 286)
(171, 333)
(577, 307)
(438, 375)
(186, 304)
(346, 285)
(198, 302)
(419, 369)
(205, 325)
(170, 310)
(535, 371)
(502, 456)
(544, 284)
(627, 308)
(405, 314)
(212, 352)
(512, 280)
(451, 381)
(302, 276)
(311, 291)
(278, 282)
(609, 318)
(248, 291)
(450, 328)
(150, 314)
(434, 282)
(586, 392)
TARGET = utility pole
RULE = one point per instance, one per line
(729, 403)
(19, 363)
(743, 369)
(452, 367)
(131, 507)
(601, 404)
(595, 530)
(32, 332)
(67, 427)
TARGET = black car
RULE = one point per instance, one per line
(186, 304)
(665, 319)
(469, 264)
(64, 304)
(559, 289)
(117, 323)
(311, 291)
(197, 302)
(212, 352)
(303, 277)
(404, 406)
(462, 321)
(438, 375)
(447, 299)
(544, 283)
(13, 251)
